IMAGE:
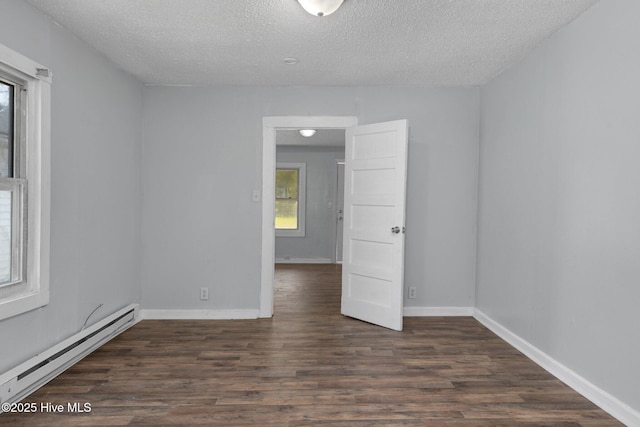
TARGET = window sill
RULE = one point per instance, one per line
(290, 233)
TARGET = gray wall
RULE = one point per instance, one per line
(559, 229)
(558, 236)
(202, 159)
(95, 185)
(320, 226)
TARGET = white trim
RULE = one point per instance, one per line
(618, 409)
(34, 293)
(304, 261)
(337, 202)
(437, 311)
(22, 64)
(269, 126)
(233, 314)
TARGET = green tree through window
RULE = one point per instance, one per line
(287, 203)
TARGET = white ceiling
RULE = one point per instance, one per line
(322, 138)
(366, 42)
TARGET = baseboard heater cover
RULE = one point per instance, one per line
(29, 376)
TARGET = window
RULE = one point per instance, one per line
(25, 89)
(11, 183)
(290, 199)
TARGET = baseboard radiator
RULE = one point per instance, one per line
(29, 376)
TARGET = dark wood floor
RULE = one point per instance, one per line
(310, 366)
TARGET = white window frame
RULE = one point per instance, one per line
(302, 197)
(32, 291)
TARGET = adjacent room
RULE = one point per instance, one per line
(319, 212)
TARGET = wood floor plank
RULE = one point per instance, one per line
(310, 366)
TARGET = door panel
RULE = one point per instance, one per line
(373, 254)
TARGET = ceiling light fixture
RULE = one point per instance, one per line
(307, 132)
(320, 7)
(290, 60)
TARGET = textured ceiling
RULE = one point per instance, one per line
(366, 42)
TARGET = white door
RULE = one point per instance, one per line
(374, 210)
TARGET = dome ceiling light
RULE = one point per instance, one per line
(320, 7)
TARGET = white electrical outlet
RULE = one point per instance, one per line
(204, 293)
(412, 292)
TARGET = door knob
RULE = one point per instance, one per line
(395, 230)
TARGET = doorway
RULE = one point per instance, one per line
(374, 206)
(306, 195)
(270, 126)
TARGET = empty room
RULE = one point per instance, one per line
(319, 212)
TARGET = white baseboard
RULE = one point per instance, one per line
(618, 409)
(437, 311)
(303, 261)
(200, 314)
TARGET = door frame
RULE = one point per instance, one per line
(269, 127)
(336, 201)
